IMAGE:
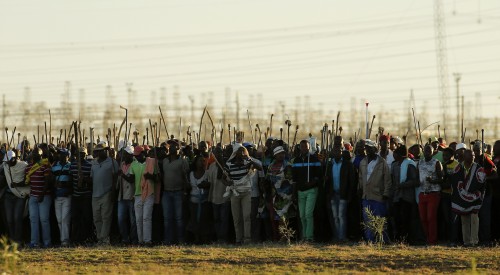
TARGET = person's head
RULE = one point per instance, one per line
(400, 153)
(250, 148)
(218, 153)
(10, 157)
(304, 147)
(459, 151)
(395, 143)
(63, 155)
(477, 148)
(198, 163)
(434, 144)
(428, 151)
(384, 142)
(415, 150)
(448, 155)
(337, 152)
(370, 148)
(453, 145)
(241, 153)
(36, 154)
(139, 153)
(496, 148)
(203, 146)
(173, 148)
(359, 150)
(279, 153)
(468, 157)
(269, 142)
(83, 152)
(489, 149)
(128, 154)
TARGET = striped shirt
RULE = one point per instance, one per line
(241, 174)
(37, 181)
(63, 178)
(85, 190)
(237, 171)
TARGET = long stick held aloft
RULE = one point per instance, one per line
(271, 126)
(127, 130)
(250, 126)
(50, 126)
(416, 130)
(337, 126)
(164, 124)
(371, 127)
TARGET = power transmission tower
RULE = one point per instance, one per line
(441, 56)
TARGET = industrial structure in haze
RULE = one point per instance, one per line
(242, 114)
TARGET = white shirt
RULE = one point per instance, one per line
(16, 174)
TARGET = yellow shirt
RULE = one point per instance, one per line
(450, 169)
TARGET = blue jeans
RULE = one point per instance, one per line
(14, 210)
(379, 209)
(40, 214)
(171, 203)
(339, 213)
(126, 221)
(221, 220)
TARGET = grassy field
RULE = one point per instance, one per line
(267, 258)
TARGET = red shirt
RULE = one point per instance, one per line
(37, 181)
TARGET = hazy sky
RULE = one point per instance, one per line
(329, 50)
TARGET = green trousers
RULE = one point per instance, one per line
(307, 201)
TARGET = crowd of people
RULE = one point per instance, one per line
(201, 193)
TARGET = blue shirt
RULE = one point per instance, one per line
(336, 174)
(62, 174)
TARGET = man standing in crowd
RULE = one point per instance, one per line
(467, 196)
(430, 173)
(450, 220)
(38, 177)
(81, 202)
(340, 187)
(241, 167)
(306, 171)
(375, 183)
(15, 195)
(175, 183)
(221, 206)
(103, 173)
(404, 180)
(126, 189)
(61, 172)
(485, 212)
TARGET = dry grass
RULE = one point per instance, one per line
(269, 259)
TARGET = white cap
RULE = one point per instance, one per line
(103, 143)
(129, 149)
(460, 146)
(278, 150)
(398, 140)
(10, 154)
(370, 143)
(121, 144)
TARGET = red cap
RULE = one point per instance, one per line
(138, 150)
(383, 137)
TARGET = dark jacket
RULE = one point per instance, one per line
(347, 180)
(404, 190)
(300, 167)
